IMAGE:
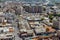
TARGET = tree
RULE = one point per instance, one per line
(1, 0)
(50, 16)
(42, 19)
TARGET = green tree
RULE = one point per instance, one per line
(0, 0)
(42, 19)
(51, 16)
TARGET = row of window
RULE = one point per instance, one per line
(7, 39)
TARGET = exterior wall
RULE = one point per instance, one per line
(56, 24)
(33, 9)
(59, 25)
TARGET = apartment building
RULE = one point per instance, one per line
(6, 29)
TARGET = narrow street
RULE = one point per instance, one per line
(16, 30)
(16, 35)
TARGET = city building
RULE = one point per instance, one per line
(56, 23)
(29, 20)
